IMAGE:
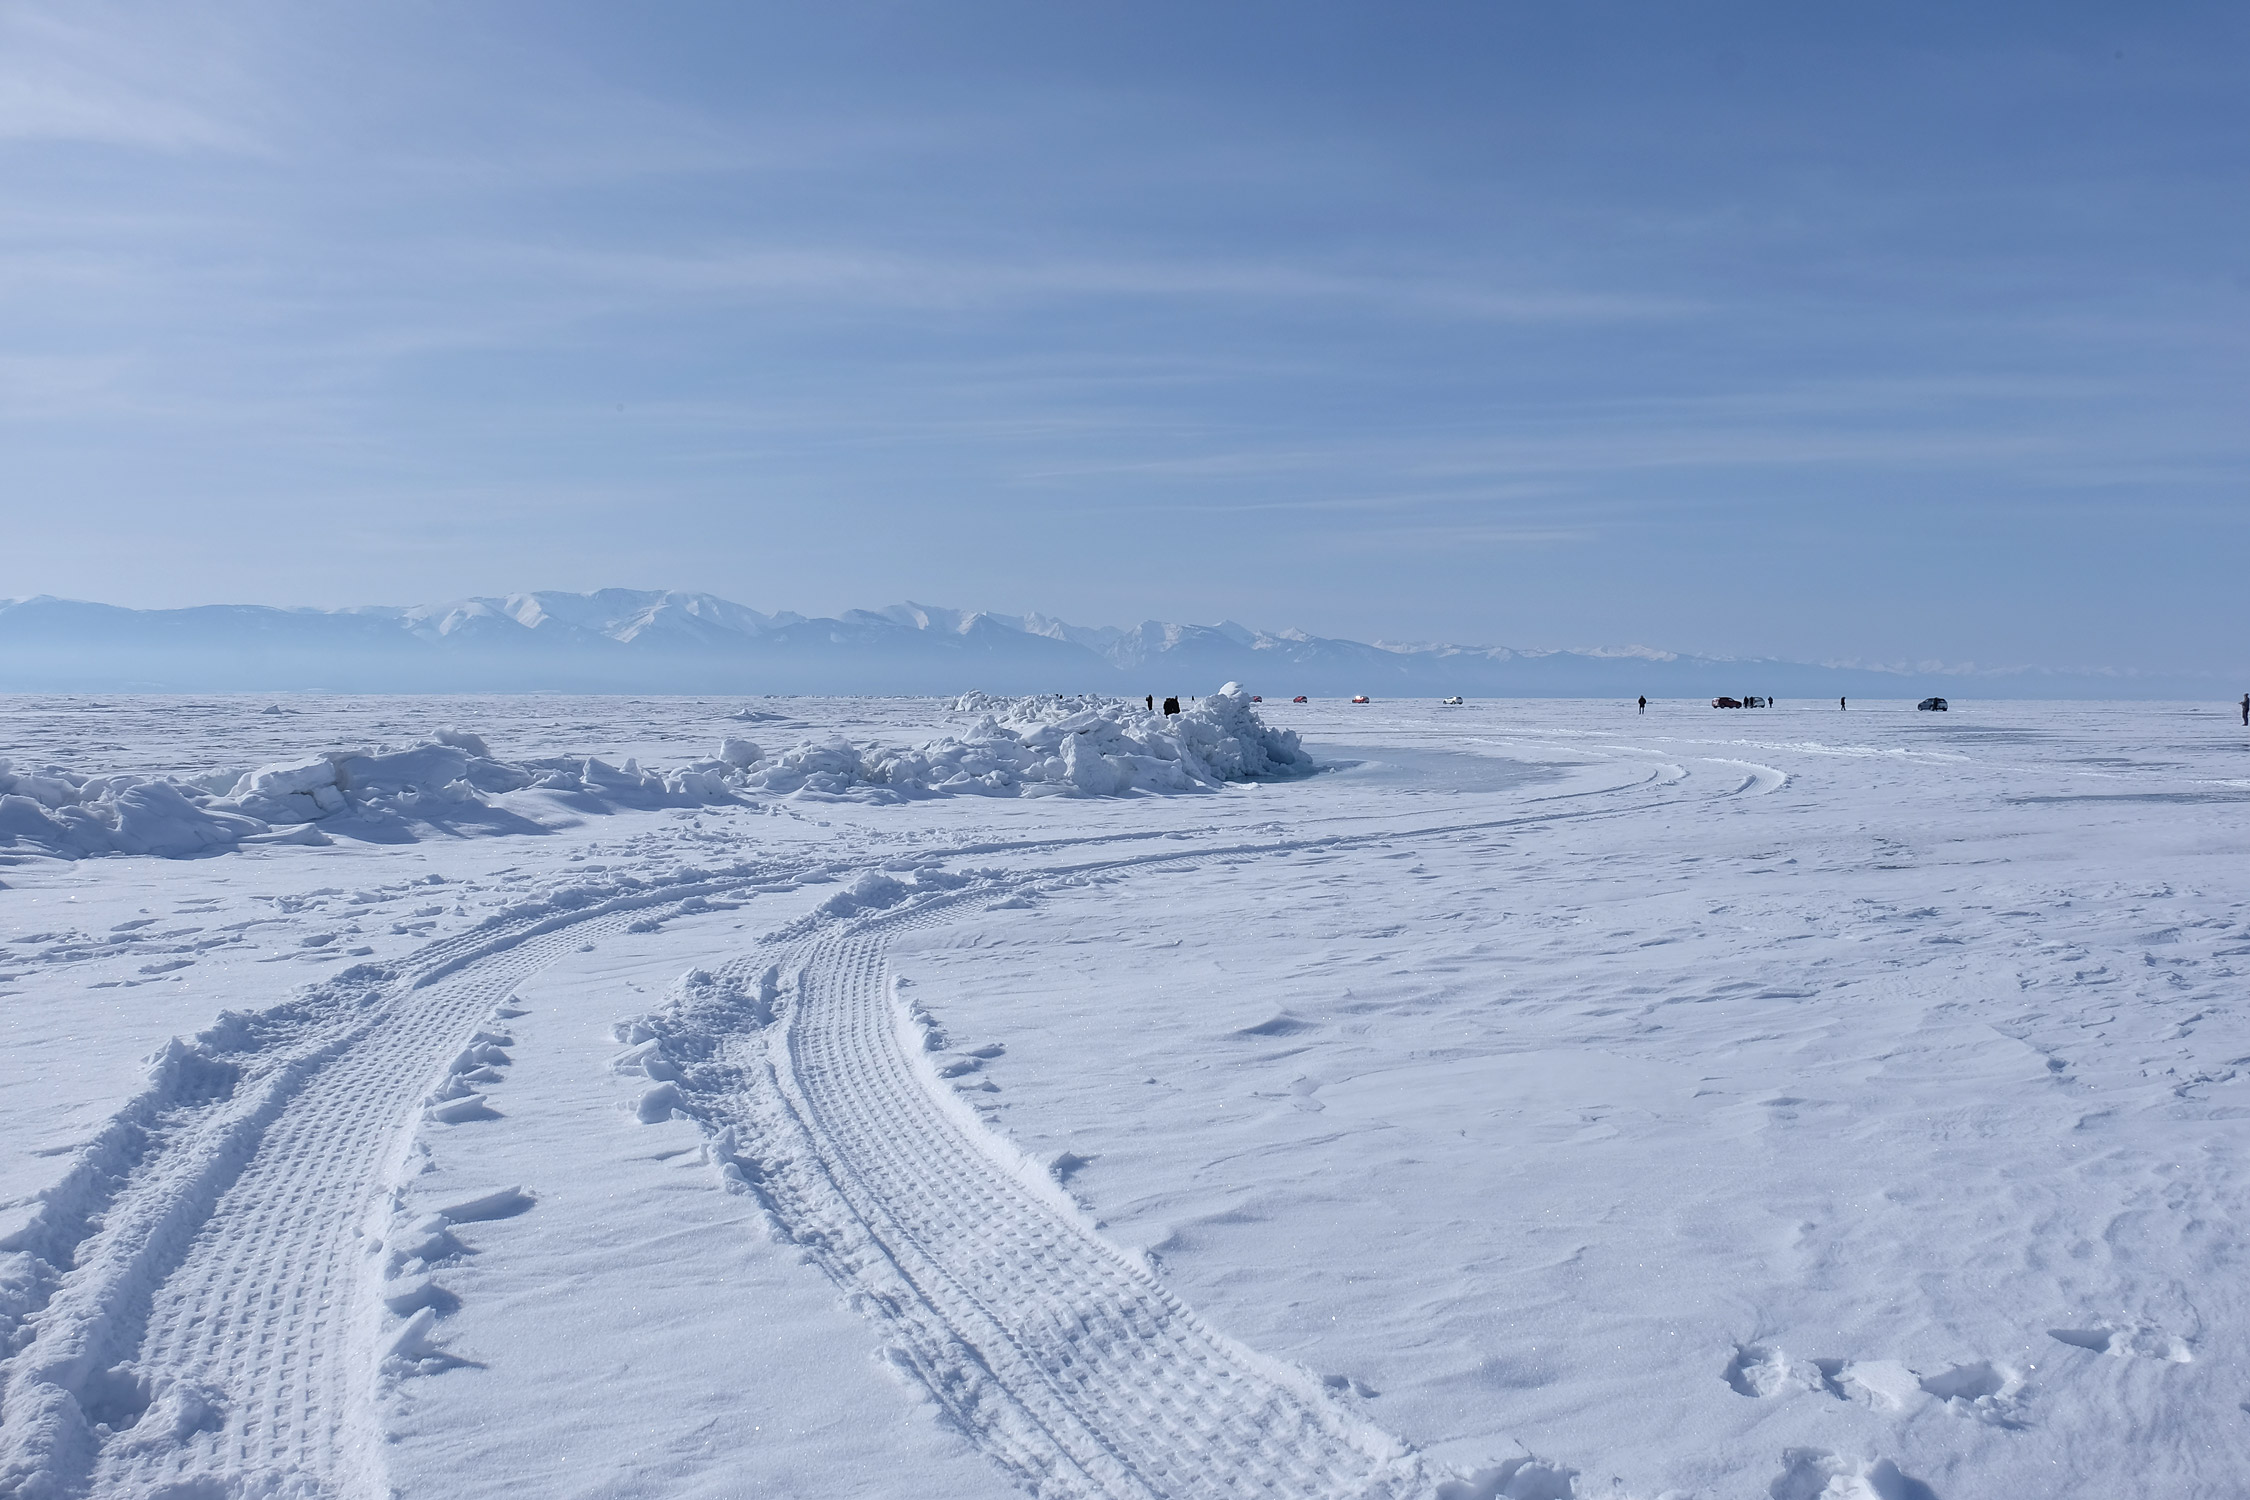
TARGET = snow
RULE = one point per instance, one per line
(1102, 748)
(1535, 1100)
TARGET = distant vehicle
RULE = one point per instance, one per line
(1452, 702)
(1298, 699)
(1359, 697)
(1932, 705)
(1254, 698)
(1726, 703)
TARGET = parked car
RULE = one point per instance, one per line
(1359, 697)
(1298, 699)
(1452, 702)
(1726, 703)
(1932, 705)
(1254, 698)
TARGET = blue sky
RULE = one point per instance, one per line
(1900, 333)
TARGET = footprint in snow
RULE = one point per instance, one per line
(126, 1405)
(1982, 1391)
(1756, 1371)
(1517, 1479)
(2127, 1341)
(1352, 1383)
(1816, 1474)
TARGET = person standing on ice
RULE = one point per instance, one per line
(2246, 708)
(1171, 707)
(1150, 700)
(1841, 705)
(1644, 703)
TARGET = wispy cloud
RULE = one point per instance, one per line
(865, 275)
(1036, 307)
(150, 77)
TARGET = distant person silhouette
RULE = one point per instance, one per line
(1644, 705)
(2246, 708)
(1171, 707)
(1150, 700)
(1842, 705)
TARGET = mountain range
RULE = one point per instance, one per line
(629, 640)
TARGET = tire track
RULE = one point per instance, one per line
(195, 1308)
(267, 1307)
(1063, 1357)
(189, 1302)
(195, 1301)
(1059, 1355)
(1139, 1394)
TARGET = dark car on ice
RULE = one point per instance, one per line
(1933, 705)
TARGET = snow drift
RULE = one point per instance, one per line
(1027, 747)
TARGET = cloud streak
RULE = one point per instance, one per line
(1469, 329)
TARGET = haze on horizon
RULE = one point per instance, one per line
(1881, 335)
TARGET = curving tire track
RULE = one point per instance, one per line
(1060, 1355)
(193, 1310)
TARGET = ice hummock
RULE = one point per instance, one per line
(1019, 747)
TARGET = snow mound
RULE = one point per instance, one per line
(1085, 747)
(1020, 747)
(55, 812)
(383, 793)
(1031, 710)
(306, 790)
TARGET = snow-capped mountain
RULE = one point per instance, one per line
(633, 640)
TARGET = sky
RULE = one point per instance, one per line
(1872, 334)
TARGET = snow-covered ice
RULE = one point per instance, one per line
(451, 780)
(865, 1097)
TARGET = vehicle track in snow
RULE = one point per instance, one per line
(194, 1305)
(1059, 1354)
(195, 1309)
(1063, 1357)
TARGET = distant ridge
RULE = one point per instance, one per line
(658, 641)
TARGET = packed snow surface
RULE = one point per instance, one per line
(553, 1096)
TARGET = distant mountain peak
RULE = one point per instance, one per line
(663, 640)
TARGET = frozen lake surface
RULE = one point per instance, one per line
(1539, 1100)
